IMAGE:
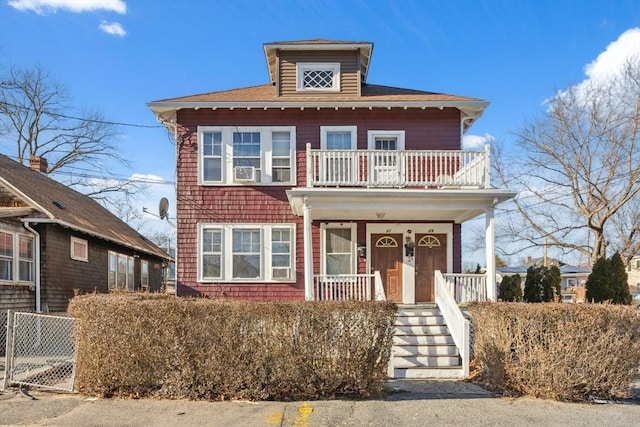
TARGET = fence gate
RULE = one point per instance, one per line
(40, 351)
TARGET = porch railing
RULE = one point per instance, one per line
(348, 287)
(467, 287)
(456, 322)
(393, 168)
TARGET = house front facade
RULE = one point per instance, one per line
(56, 243)
(320, 185)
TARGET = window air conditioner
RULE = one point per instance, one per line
(244, 173)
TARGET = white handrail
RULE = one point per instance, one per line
(378, 287)
(456, 322)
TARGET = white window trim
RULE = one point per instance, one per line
(226, 270)
(323, 247)
(129, 275)
(142, 276)
(326, 129)
(372, 134)
(15, 257)
(82, 242)
(265, 155)
(301, 67)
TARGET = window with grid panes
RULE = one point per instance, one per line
(246, 252)
(281, 156)
(318, 76)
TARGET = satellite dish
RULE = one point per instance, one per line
(163, 208)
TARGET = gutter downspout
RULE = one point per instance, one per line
(36, 252)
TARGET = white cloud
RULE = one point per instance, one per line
(609, 63)
(113, 28)
(476, 142)
(76, 6)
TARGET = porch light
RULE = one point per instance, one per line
(381, 215)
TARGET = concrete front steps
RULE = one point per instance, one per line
(422, 345)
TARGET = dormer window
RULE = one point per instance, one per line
(314, 76)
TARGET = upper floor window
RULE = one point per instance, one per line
(246, 155)
(338, 137)
(16, 257)
(79, 249)
(314, 76)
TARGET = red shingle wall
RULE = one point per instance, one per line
(424, 129)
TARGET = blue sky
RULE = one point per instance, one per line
(116, 55)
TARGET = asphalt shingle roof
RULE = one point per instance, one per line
(55, 201)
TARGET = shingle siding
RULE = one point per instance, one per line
(63, 277)
(424, 130)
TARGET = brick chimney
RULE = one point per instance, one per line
(38, 164)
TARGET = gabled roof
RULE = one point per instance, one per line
(365, 48)
(52, 202)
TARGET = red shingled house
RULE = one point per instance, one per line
(320, 185)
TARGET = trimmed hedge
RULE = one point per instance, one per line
(143, 345)
(558, 351)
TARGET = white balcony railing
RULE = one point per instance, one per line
(348, 287)
(467, 287)
(388, 168)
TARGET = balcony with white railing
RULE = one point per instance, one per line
(391, 168)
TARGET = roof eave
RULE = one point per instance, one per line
(95, 234)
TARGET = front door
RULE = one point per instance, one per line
(386, 257)
(430, 255)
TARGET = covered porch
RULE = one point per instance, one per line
(408, 235)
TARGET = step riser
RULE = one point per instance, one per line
(425, 350)
(425, 362)
(422, 330)
(417, 321)
(441, 373)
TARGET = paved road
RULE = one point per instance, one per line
(413, 403)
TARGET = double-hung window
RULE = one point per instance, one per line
(317, 76)
(121, 269)
(246, 252)
(144, 274)
(16, 257)
(340, 164)
(232, 155)
(338, 248)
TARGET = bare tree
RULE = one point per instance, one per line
(38, 120)
(578, 170)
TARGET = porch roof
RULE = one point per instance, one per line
(392, 204)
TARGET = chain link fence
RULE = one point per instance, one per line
(40, 351)
(3, 342)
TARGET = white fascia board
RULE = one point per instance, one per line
(469, 107)
(26, 198)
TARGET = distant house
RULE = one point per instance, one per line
(573, 282)
(633, 273)
(56, 242)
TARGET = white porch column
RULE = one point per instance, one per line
(490, 250)
(308, 251)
